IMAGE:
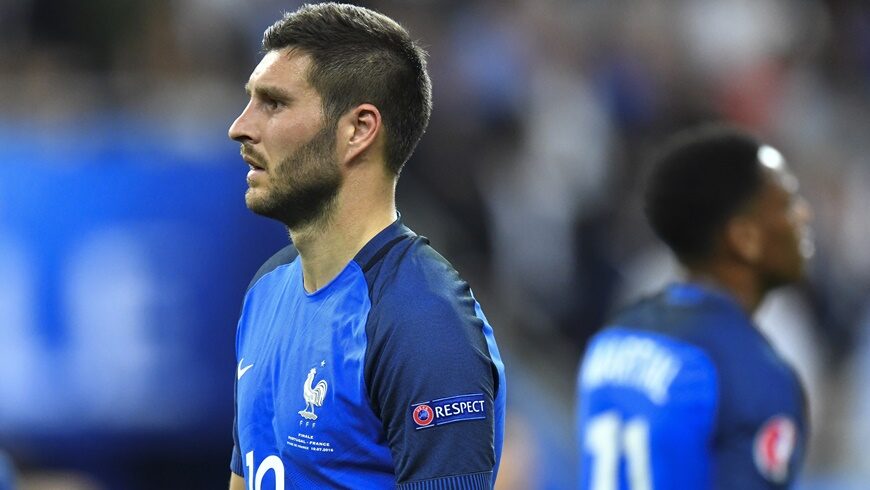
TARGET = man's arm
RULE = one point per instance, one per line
(236, 482)
(435, 384)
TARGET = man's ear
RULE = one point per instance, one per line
(743, 238)
(359, 130)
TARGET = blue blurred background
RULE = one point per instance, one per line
(125, 245)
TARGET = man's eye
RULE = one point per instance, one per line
(272, 104)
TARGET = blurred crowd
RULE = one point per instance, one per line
(529, 176)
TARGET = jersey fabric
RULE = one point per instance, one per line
(682, 391)
(389, 376)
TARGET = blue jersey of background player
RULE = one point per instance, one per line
(363, 359)
(681, 390)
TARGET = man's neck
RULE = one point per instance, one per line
(742, 284)
(327, 246)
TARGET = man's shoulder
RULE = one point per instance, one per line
(413, 275)
(716, 331)
(416, 291)
(284, 256)
(692, 320)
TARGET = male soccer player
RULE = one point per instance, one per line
(364, 361)
(681, 391)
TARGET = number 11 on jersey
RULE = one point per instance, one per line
(609, 440)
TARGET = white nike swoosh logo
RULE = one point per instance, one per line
(243, 370)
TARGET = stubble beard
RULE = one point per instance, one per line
(303, 187)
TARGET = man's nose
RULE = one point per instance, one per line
(243, 129)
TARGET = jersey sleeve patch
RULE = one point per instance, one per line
(443, 411)
(774, 445)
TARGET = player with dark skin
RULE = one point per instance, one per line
(762, 246)
(681, 386)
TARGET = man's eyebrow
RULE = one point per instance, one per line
(269, 91)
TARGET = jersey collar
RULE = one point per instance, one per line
(378, 246)
(694, 292)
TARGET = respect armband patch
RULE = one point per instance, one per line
(448, 410)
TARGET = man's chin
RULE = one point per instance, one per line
(257, 203)
(294, 209)
(268, 208)
(795, 275)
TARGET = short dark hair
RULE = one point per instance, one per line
(698, 180)
(361, 56)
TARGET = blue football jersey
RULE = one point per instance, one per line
(387, 376)
(681, 391)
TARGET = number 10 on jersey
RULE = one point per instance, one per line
(609, 441)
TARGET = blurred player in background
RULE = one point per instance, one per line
(681, 390)
(364, 361)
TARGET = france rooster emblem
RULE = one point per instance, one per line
(313, 394)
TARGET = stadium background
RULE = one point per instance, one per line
(125, 246)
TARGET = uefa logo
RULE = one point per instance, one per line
(423, 415)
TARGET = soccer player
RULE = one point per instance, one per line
(681, 390)
(364, 361)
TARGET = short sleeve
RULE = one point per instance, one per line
(433, 383)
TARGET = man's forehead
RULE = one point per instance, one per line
(281, 67)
